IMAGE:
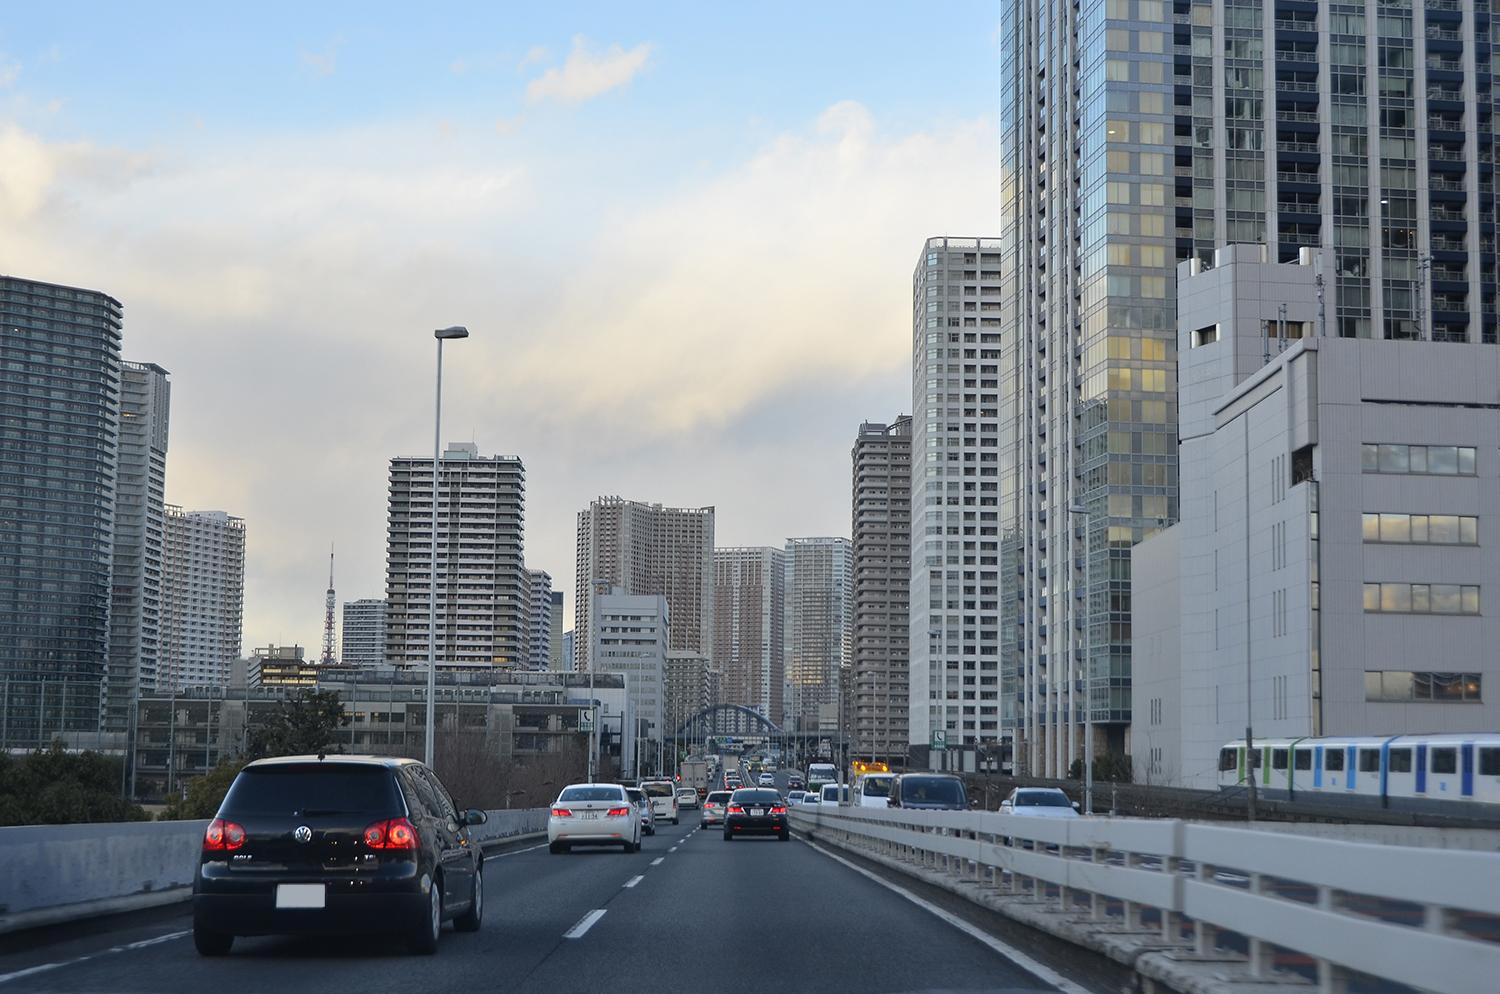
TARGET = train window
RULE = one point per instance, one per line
(1445, 760)
(1333, 759)
(1489, 762)
(1278, 759)
(1400, 761)
(1227, 760)
(1303, 759)
(1256, 756)
(1369, 761)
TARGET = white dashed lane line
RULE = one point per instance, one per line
(633, 881)
(515, 852)
(44, 967)
(657, 860)
(584, 924)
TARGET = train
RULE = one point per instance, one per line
(1450, 773)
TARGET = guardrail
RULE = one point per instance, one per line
(58, 873)
(1196, 907)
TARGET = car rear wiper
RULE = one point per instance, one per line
(323, 811)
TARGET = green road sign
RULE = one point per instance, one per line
(586, 720)
(939, 739)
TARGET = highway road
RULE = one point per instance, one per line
(690, 912)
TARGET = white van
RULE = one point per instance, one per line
(663, 795)
(820, 773)
(873, 790)
(829, 798)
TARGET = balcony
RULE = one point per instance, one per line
(1292, 146)
(1295, 55)
(1435, 33)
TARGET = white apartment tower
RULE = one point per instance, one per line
(749, 647)
(482, 612)
(632, 641)
(819, 640)
(363, 638)
(538, 619)
(203, 598)
(648, 549)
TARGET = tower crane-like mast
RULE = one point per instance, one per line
(328, 654)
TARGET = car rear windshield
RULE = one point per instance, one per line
(662, 789)
(756, 797)
(1042, 799)
(931, 790)
(313, 788)
(719, 796)
(591, 794)
(635, 795)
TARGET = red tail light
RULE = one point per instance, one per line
(618, 812)
(398, 833)
(223, 836)
(561, 813)
(778, 810)
(735, 809)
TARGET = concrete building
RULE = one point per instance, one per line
(140, 512)
(363, 634)
(692, 685)
(555, 631)
(539, 619)
(749, 648)
(568, 655)
(1338, 494)
(203, 597)
(881, 589)
(482, 611)
(632, 640)
(818, 624)
(648, 549)
(282, 666)
(60, 404)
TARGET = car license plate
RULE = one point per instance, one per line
(757, 812)
(590, 814)
(300, 895)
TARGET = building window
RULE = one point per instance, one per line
(1421, 598)
(1421, 529)
(1421, 460)
(1406, 685)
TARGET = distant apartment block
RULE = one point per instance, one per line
(881, 591)
(632, 641)
(282, 666)
(203, 597)
(749, 649)
(538, 619)
(363, 637)
(555, 631)
(818, 619)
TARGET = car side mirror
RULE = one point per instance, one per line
(474, 816)
(1076, 807)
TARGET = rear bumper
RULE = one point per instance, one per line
(248, 907)
(747, 825)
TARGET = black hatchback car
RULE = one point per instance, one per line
(318, 845)
(756, 810)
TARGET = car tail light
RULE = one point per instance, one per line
(735, 809)
(223, 836)
(618, 812)
(779, 810)
(397, 833)
(561, 813)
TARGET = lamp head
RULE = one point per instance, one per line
(457, 331)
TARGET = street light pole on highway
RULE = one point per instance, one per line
(1088, 686)
(442, 335)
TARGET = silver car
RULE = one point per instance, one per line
(714, 806)
(648, 817)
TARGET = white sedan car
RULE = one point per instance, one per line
(766, 780)
(1039, 802)
(593, 814)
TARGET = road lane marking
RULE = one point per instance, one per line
(1044, 973)
(657, 860)
(515, 852)
(45, 967)
(633, 881)
(672, 850)
(584, 924)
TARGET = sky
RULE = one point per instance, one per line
(681, 235)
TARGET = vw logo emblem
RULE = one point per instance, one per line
(302, 833)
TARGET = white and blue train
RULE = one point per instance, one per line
(1458, 773)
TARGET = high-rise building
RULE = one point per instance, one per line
(819, 640)
(60, 404)
(363, 634)
(282, 666)
(632, 640)
(647, 549)
(749, 648)
(482, 612)
(140, 510)
(568, 653)
(691, 687)
(203, 598)
(538, 619)
(555, 631)
(882, 585)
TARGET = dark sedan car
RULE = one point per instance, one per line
(756, 810)
(317, 845)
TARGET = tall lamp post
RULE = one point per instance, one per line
(442, 335)
(1088, 680)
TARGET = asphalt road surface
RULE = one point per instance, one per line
(690, 912)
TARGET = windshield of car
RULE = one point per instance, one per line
(1042, 799)
(876, 787)
(658, 788)
(931, 790)
(595, 793)
(312, 788)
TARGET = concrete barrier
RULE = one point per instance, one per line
(59, 873)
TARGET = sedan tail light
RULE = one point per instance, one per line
(397, 833)
(735, 809)
(618, 812)
(223, 836)
(778, 810)
(561, 813)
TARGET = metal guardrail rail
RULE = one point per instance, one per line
(1427, 918)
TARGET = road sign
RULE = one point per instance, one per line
(586, 720)
(939, 739)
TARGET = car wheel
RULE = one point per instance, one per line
(210, 943)
(557, 848)
(675, 821)
(728, 836)
(470, 920)
(424, 938)
(784, 836)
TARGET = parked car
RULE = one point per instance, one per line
(643, 804)
(713, 807)
(593, 814)
(1039, 802)
(278, 855)
(663, 794)
(687, 797)
(755, 810)
(932, 791)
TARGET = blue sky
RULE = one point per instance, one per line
(683, 235)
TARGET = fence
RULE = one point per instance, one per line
(1178, 900)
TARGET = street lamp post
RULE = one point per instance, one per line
(1088, 682)
(442, 335)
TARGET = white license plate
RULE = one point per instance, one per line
(757, 812)
(300, 895)
(590, 814)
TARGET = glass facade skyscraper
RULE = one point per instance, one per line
(59, 442)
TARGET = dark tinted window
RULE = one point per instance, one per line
(658, 788)
(719, 797)
(1369, 761)
(756, 797)
(1400, 761)
(1445, 760)
(1228, 760)
(1042, 799)
(635, 795)
(308, 788)
(1278, 759)
(592, 794)
(1333, 760)
(932, 790)
(876, 787)
(1489, 762)
(1303, 759)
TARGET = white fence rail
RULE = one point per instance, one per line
(1170, 896)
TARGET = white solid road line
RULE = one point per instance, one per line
(515, 852)
(633, 881)
(657, 860)
(1044, 973)
(44, 967)
(584, 924)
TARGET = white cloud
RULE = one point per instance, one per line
(325, 62)
(535, 55)
(587, 74)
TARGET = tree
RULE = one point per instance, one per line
(304, 723)
(1109, 768)
(204, 794)
(57, 787)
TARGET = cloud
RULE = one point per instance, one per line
(534, 55)
(36, 175)
(586, 75)
(325, 62)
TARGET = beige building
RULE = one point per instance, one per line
(202, 597)
(749, 619)
(818, 637)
